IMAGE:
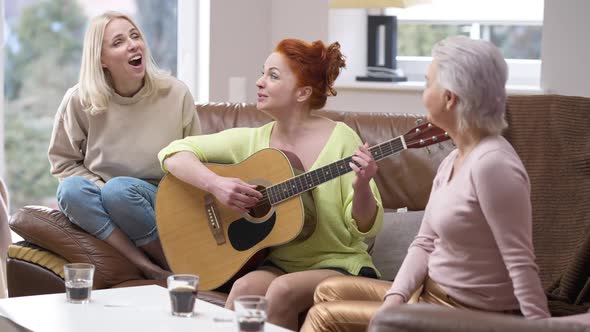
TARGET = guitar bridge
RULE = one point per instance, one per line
(213, 220)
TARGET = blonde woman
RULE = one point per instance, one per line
(106, 136)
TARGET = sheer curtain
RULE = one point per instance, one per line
(5, 239)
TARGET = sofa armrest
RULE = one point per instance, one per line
(51, 230)
(31, 270)
(435, 318)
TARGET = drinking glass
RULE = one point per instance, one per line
(183, 289)
(78, 277)
(250, 313)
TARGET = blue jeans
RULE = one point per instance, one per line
(124, 202)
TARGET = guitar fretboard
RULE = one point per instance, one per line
(309, 180)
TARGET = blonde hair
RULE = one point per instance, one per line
(95, 85)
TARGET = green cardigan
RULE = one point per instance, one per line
(336, 242)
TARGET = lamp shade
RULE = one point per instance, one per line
(375, 3)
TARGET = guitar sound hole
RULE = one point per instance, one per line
(262, 208)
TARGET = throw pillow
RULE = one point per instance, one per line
(391, 244)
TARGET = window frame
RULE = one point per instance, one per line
(193, 19)
(522, 72)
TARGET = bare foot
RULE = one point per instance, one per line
(155, 272)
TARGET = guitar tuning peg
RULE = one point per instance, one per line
(428, 150)
(419, 121)
(440, 146)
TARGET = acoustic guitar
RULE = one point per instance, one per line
(201, 236)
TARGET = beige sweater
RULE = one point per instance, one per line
(125, 139)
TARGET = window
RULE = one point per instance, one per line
(514, 26)
(514, 40)
(43, 48)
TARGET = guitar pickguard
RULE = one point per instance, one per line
(244, 234)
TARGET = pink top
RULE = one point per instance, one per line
(476, 236)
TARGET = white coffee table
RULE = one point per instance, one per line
(144, 308)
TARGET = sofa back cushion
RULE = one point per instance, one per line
(551, 134)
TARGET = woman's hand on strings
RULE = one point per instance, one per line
(235, 193)
(368, 167)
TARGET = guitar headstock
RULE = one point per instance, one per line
(424, 135)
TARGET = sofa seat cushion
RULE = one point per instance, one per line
(391, 244)
(24, 251)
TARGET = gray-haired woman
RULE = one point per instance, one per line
(474, 249)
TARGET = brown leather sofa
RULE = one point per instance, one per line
(36, 266)
(550, 133)
(431, 318)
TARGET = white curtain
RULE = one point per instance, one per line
(5, 238)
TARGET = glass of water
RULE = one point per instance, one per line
(79, 277)
(250, 313)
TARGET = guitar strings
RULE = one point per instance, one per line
(265, 198)
(408, 137)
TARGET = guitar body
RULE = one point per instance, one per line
(201, 236)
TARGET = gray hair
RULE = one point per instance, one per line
(476, 72)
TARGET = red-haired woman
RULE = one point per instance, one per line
(296, 79)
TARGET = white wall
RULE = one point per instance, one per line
(352, 37)
(403, 99)
(244, 32)
(566, 47)
(240, 42)
(301, 19)
(353, 99)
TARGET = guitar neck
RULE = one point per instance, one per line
(309, 180)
